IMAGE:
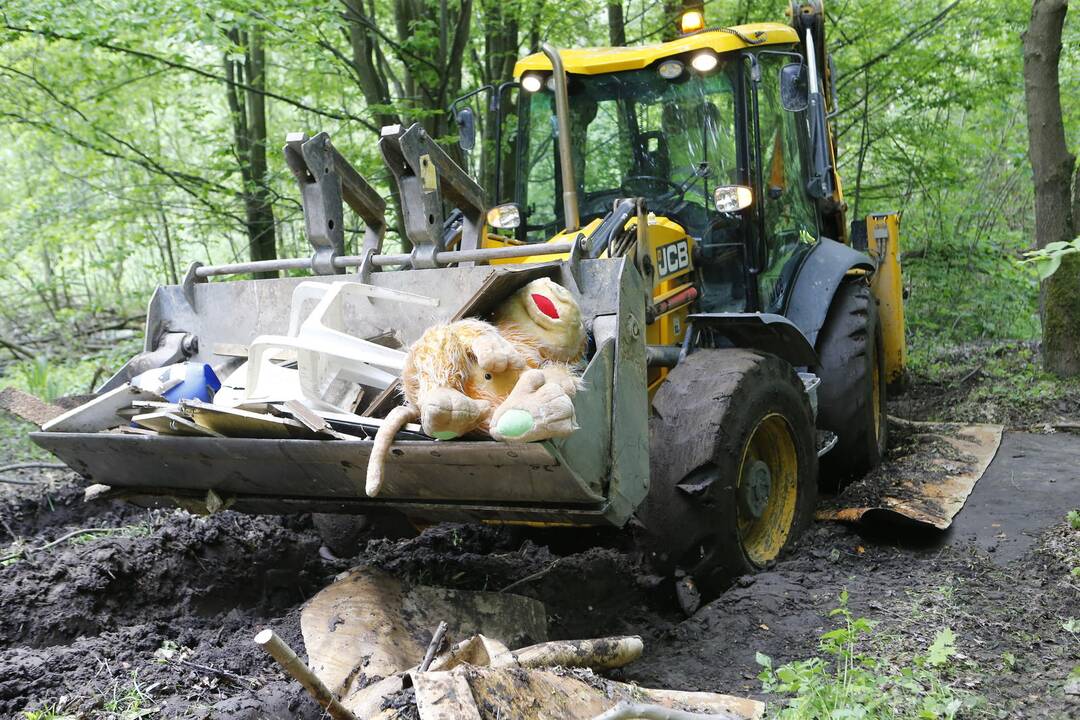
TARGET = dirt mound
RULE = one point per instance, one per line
(187, 566)
(85, 618)
(161, 613)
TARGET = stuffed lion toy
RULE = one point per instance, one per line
(513, 379)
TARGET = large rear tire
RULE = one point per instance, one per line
(733, 467)
(851, 397)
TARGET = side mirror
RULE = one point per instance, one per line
(466, 122)
(793, 89)
(732, 198)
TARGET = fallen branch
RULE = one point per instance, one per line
(433, 646)
(215, 671)
(27, 466)
(970, 375)
(32, 466)
(530, 578)
(12, 481)
(16, 350)
(57, 541)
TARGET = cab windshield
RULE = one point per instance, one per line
(633, 134)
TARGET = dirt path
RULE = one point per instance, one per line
(158, 615)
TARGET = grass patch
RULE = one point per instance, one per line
(77, 537)
(129, 702)
(51, 711)
(855, 678)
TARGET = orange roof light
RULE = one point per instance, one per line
(692, 21)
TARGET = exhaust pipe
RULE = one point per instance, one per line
(562, 118)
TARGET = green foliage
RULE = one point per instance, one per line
(128, 702)
(127, 531)
(50, 378)
(49, 712)
(1074, 519)
(960, 293)
(994, 382)
(37, 380)
(121, 165)
(849, 682)
(1048, 259)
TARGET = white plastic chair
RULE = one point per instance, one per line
(332, 364)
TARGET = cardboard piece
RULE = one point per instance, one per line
(104, 412)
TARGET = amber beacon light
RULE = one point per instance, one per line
(692, 21)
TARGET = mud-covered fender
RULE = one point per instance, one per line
(760, 331)
(820, 275)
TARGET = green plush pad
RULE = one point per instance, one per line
(515, 423)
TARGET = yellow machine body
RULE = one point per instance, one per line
(887, 286)
(596, 61)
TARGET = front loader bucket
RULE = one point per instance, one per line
(927, 477)
(594, 476)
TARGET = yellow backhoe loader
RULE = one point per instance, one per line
(742, 336)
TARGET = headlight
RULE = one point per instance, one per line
(504, 217)
(705, 61)
(531, 83)
(670, 69)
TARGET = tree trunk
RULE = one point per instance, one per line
(616, 24)
(500, 28)
(1053, 168)
(248, 110)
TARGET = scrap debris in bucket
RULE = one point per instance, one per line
(319, 382)
(307, 384)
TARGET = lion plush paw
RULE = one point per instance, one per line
(540, 407)
(496, 354)
(446, 413)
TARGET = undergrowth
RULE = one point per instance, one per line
(848, 680)
(960, 294)
(52, 376)
(998, 382)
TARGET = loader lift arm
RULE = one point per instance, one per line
(325, 179)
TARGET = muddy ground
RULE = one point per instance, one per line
(154, 618)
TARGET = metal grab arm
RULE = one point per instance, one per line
(325, 179)
(424, 174)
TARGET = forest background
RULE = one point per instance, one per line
(139, 136)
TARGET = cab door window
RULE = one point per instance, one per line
(790, 218)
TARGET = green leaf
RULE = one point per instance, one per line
(942, 648)
(763, 660)
(1048, 266)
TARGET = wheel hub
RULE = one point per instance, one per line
(754, 489)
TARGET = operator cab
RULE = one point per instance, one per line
(691, 133)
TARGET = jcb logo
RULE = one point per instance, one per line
(672, 258)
